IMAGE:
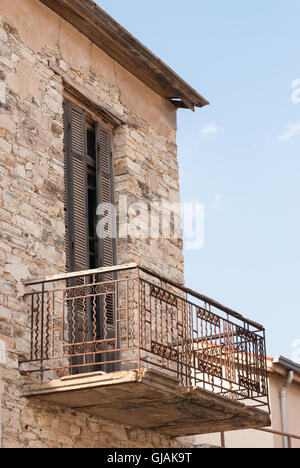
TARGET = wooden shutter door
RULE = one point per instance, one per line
(107, 245)
(76, 188)
(76, 207)
(105, 194)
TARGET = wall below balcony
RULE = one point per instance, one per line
(32, 197)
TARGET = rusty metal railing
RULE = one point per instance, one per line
(128, 317)
(290, 437)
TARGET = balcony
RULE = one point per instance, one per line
(125, 344)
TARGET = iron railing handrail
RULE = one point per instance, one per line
(268, 431)
(132, 266)
(78, 274)
(279, 433)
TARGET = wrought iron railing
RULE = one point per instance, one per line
(290, 437)
(127, 317)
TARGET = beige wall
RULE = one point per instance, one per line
(293, 408)
(258, 439)
(32, 195)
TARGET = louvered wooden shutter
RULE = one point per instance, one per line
(107, 245)
(76, 207)
(76, 189)
(105, 194)
(66, 178)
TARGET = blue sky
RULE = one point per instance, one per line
(239, 156)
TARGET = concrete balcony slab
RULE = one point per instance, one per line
(149, 399)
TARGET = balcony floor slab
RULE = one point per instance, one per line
(150, 400)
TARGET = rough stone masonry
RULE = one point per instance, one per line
(32, 198)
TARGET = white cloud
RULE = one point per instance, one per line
(296, 93)
(290, 131)
(209, 130)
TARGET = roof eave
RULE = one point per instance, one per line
(287, 364)
(125, 49)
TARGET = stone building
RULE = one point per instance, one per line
(105, 350)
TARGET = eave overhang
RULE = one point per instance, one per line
(125, 49)
(283, 366)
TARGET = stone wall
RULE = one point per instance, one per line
(31, 196)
